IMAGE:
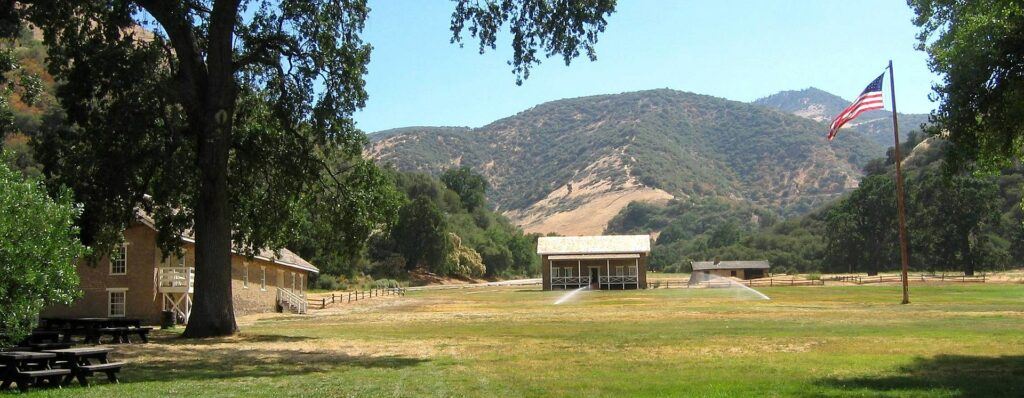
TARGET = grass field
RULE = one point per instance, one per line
(954, 341)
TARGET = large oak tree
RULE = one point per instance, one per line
(216, 115)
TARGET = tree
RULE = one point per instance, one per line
(724, 234)
(861, 230)
(217, 120)
(421, 234)
(975, 47)
(39, 248)
(471, 186)
(950, 217)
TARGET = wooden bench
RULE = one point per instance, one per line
(87, 361)
(119, 335)
(109, 368)
(30, 369)
(52, 377)
(142, 332)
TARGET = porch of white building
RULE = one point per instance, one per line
(605, 272)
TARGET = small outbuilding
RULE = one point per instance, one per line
(601, 262)
(702, 270)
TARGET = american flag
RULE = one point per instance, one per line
(869, 99)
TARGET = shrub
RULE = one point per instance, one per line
(39, 248)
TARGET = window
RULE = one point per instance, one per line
(119, 260)
(732, 273)
(245, 275)
(116, 302)
(301, 286)
(632, 271)
(181, 260)
(555, 271)
(568, 271)
(293, 281)
(620, 270)
(263, 278)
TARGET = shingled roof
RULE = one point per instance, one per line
(603, 244)
(709, 265)
(283, 257)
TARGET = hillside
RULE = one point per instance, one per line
(569, 166)
(714, 228)
(820, 105)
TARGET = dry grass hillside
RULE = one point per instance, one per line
(569, 166)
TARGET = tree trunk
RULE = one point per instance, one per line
(213, 311)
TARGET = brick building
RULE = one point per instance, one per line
(136, 281)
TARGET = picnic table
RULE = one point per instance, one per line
(30, 369)
(83, 362)
(92, 329)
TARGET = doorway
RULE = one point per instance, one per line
(595, 277)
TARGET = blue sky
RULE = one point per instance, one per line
(740, 50)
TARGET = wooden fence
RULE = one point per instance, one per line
(769, 282)
(348, 297)
(860, 280)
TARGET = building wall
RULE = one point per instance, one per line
(605, 267)
(740, 273)
(95, 280)
(254, 298)
(142, 301)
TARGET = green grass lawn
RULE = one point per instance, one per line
(954, 341)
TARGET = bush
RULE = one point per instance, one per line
(327, 282)
(39, 249)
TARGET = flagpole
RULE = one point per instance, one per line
(904, 255)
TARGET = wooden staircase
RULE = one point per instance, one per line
(291, 301)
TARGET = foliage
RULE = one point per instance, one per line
(421, 234)
(220, 115)
(470, 186)
(436, 232)
(39, 249)
(365, 200)
(861, 232)
(558, 28)
(463, 260)
(975, 47)
(961, 222)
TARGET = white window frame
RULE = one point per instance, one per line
(123, 291)
(121, 256)
(263, 278)
(620, 270)
(567, 271)
(245, 275)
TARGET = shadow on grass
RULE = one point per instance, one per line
(171, 358)
(957, 375)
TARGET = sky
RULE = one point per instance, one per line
(739, 50)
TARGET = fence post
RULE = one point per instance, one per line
(323, 302)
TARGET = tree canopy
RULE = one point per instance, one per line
(217, 116)
(975, 47)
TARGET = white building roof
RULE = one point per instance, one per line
(604, 244)
(708, 265)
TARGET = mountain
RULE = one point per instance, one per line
(569, 166)
(820, 105)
